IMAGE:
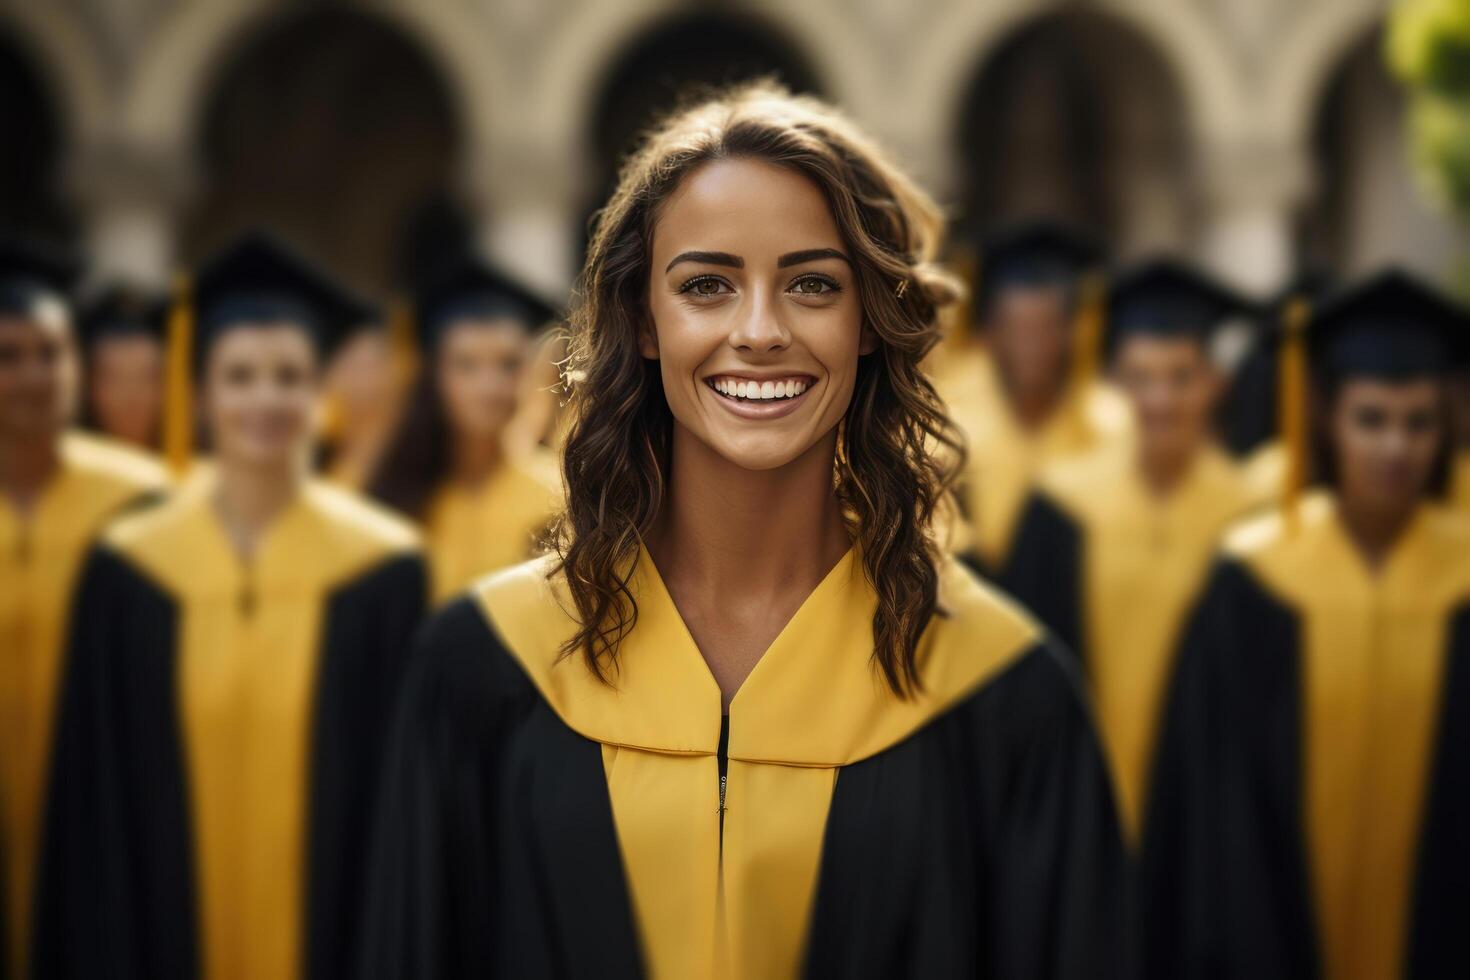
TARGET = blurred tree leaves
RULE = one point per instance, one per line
(1428, 48)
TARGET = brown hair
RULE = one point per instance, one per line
(897, 450)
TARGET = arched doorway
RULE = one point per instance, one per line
(30, 201)
(1367, 209)
(673, 60)
(1076, 116)
(334, 127)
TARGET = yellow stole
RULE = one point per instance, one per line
(1005, 459)
(1143, 562)
(814, 703)
(40, 556)
(1373, 658)
(249, 638)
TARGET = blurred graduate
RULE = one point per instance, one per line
(231, 660)
(57, 487)
(1308, 810)
(1114, 547)
(1036, 397)
(122, 330)
(484, 499)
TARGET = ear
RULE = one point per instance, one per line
(867, 340)
(648, 339)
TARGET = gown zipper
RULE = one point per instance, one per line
(724, 764)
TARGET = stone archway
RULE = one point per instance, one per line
(334, 127)
(1076, 115)
(30, 198)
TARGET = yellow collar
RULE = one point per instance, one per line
(815, 698)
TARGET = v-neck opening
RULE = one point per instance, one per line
(664, 596)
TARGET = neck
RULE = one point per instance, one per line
(1375, 530)
(1164, 469)
(27, 465)
(249, 497)
(749, 532)
(476, 457)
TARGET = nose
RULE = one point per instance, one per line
(758, 328)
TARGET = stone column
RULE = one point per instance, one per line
(529, 199)
(1252, 190)
(130, 198)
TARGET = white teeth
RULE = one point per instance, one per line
(759, 390)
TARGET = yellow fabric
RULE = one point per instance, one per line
(471, 531)
(814, 702)
(41, 552)
(1004, 459)
(1265, 471)
(1292, 401)
(1460, 480)
(249, 643)
(1143, 562)
(178, 408)
(1372, 667)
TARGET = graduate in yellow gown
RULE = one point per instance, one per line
(232, 658)
(57, 488)
(1312, 784)
(1034, 396)
(1113, 547)
(483, 501)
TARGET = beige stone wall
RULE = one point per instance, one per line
(132, 78)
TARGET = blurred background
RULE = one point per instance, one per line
(1253, 135)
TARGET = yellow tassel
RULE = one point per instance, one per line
(178, 411)
(1087, 336)
(1291, 401)
(403, 342)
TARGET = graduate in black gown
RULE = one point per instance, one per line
(748, 721)
(1114, 547)
(232, 658)
(1312, 787)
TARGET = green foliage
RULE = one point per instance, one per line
(1428, 48)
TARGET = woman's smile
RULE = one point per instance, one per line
(760, 397)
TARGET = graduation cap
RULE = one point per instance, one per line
(32, 273)
(255, 279)
(122, 312)
(1035, 254)
(1389, 326)
(1166, 297)
(471, 288)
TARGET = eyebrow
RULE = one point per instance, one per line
(708, 258)
(810, 255)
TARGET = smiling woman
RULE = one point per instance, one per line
(748, 721)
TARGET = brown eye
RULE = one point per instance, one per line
(814, 286)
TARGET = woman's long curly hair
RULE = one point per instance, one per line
(897, 451)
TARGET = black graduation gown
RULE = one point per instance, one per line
(208, 705)
(1312, 786)
(538, 823)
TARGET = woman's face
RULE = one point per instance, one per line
(480, 364)
(1172, 386)
(126, 386)
(1386, 437)
(756, 321)
(260, 389)
(361, 375)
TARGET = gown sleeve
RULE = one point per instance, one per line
(1059, 904)
(1222, 871)
(1043, 569)
(432, 904)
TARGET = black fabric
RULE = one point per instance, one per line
(983, 845)
(1224, 864)
(1044, 570)
(116, 891)
(1437, 943)
(496, 855)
